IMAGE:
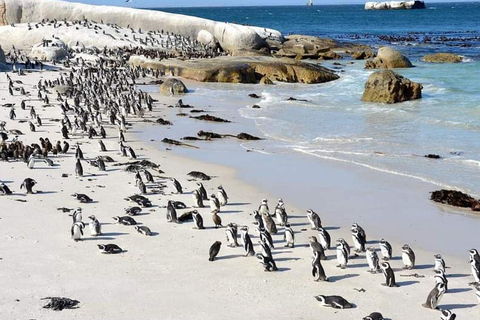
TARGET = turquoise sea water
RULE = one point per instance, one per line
(335, 124)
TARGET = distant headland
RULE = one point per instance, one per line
(395, 5)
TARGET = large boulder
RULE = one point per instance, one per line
(388, 58)
(2, 56)
(174, 85)
(389, 87)
(49, 50)
(206, 38)
(442, 58)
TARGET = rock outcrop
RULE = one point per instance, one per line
(2, 56)
(395, 5)
(231, 37)
(388, 58)
(173, 85)
(442, 58)
(240, 69)
(389, 87)
(53, 50)
(304, 47)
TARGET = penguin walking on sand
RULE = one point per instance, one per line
(28, 184)
(317, 247)
(198, 220)
(266, 249)
(389, 275)
(439, 263)
(373, 260)
(31, 162)
(214, 250)
(434, 296)
(386, 249)
(222, 196)
(289, 236)
(280, 213)
(263, 207)
(171, 212)
(214, 204)
(77, 230)
(148, 176)
(266, 237)
(78, 168)
(267, 262)
(408, 257)
(197, 199)
(247, 242)
(360, 230)
(318, 272)
(269, 223)
(440, 277)
(232, 232)
(447, 315)
(475, 265)
(95, 227)
(359, 241)
(324, 238)
(216, 219)
(342, 255)
(314, 219)
(177, 186)
(202, 191)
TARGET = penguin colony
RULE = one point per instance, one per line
(102, 98)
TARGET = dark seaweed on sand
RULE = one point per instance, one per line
(208, 117)
(58, 303)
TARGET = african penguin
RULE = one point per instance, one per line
(314, 219)
(434, 296)
(231, 233)
(214, 249)
(324, 238)
(247, 242)
(171, 212)
(318, 272)
(109, 248)
(222, 196)
(198, 220)
(95, 227)
(77, 230)
(289, 236)
(385, 249)
(408, 257)
(372, 259)
(389, 275)
(197, 199)
(143, 230)
(336, 302)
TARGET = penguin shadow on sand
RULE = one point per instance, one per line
(458, 275)
(342, 277)
(45, 192)
(239, 204)
(229, 256)
(407, 283)
(459, 290)
(454, 306)
(423, 266)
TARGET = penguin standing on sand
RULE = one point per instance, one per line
(324, 238)
(263, 207)
(177, 186)
(216, 219)
(475, 265)
(202, 191)
(439, 263)
(318, 272)
(77, 215)
(440, 277)
(448, 315)
(222, 196)
(372, 259)
(342, 255)
(359, 241)
(77, 230)
(389, 275)
(197, 218)
(78, 168)
(258, 219)
(281, 213)
(289, 236)
(386, 249)
(95, 227)
(360, 230)
(148, 176)
(269, 223)
(101, 146)
(267, 262)
(171, 212)
(314, 219)
(101, 164)
(197, 199)
(214, 204)
(214, 249)
(247, 242)
(434, 296)
(231, 233)
(266, 237)
(28, 184)
(408, 257)
(317, 247)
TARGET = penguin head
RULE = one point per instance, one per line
(406, 247)
(220, 188)
(312, 239)
(212, 196)
(383, 241)
(321, 298)
(385, 265)
(447, 314)
(92, 217)
(101, 246)
(473, 252)
(438, 256)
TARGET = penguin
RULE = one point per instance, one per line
(408, 257)
(5, 190)
(197, 218)
(267, 262)
(289, 236)
(385, 249)
(142, 187)
(214, 249)
(263, 208)
(216, 219)
(281, 213)
(231, 233)
(336, 302)
(214, 204)
(439, 263)
(359, 241)
(109, 248)
(79, 153)
(269, 223)
(32, 126)
(324, 238)
(133, 211)
(65, 148)
(197, 199)
(222, 196)
(389, 275)
(374, 316)
(95, 227)
(318, 272)
(314, 219)
(441, 278)
(342, 255)
(266, 249)
(77, 215)
(83, 198)
(125, 220)
(448, 315)
(475, 264)
(31, 162)
(266, 237)
(317, 247)
(143, 230)
(78, 169)
(101, 164)
(258, 219)
(101, 146)
(247, 242)
(434, 296)
(360, 230)
(132, 153)
(171, 212)
(372, 259)
(177, 186)
(148, 176)
(28, 184)
(77, 230)
(202, 191)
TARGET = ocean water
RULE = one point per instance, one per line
(335, 124)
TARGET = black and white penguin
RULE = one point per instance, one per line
(386, 249)
(83, 198)
(231, 232)
(202, 191)
(143, 230)
(198, 220)
(258, 219)
(336, 302)
(133, 211)
(263, 207)
(95, 227)
(101, 164)
(142, 187)
(222, 196)
(177, 186)
(247, 242)
(77, 215)
(373, 260)
(125, 220)
(440, 277)
(389, 275)
(79, 153)
(5, 190)
(374, 316)
(280, 213)
(77, 230)
(28, 184)
(289, 236)
(314, 219)
(408, 257)
(448, 315)
(109, 248)
(434, 296)
(318, 272)
(324, 238)
(101, 146)
(359, 241)
(342, 254)
(266, 249)
(214, 203)
(148, 176)
(267, 262)
(65, 148)
(31, 162)
(266, 237)
(360, 230)
(439, 263)
(317, 247)
(197, 199)
(475, 264)
(217, 221)
(132, 153)
(214, 249)
(269, 223)
(171, 212)
(78, 169)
